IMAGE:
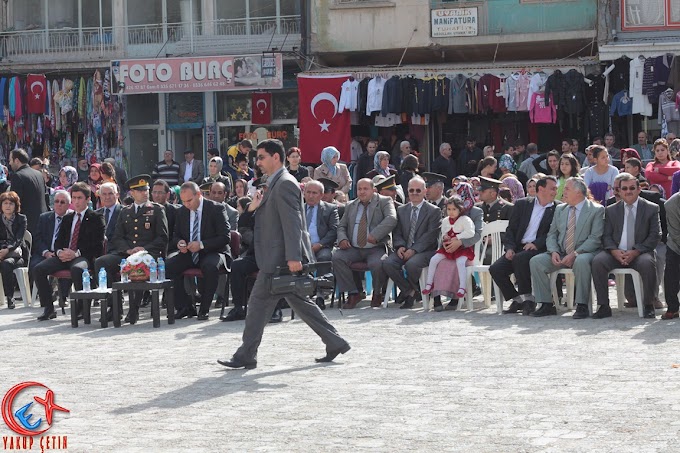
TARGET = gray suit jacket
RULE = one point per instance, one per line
(280, 225)
(327, 224)
(427, 227)
(647, 227)
(382, 218)
(197, 171)
(477, 216)
(589, 227)
(232, 215)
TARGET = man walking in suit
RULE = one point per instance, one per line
(191, 169)
(631, 234)
(525, 238)
(29, 185)
(202, 238)
(364, 235)
(280, 239)
(416, 237)
(79, 241)
(573, 240)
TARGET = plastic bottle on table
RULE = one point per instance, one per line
(103, 284)
(86, 280)
(123, 277)
(161, 270)
(153, 278)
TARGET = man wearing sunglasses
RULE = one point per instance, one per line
(631, 233)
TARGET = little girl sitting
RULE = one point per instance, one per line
(455, 226)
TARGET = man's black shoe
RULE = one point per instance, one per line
(528, 307)
(132, 317)
(476, 291)
(330, 356)
(408, 303)
(277, 316)
(604, 311)
(185, 313)
(10, 303)
(236, 363)
(545, 310)
(581, 312)
(320, 302)
(401, 298)
(49, 313)
(451, 306)
(648, 312)
(202, 317)
(514, 307)
(235, 314)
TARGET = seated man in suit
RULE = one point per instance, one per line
(80, 240)
(364, 234)
(631, 234)
(525, 238)
(574, 239)
(435, 190)
(494, 207)
(416, 238)
(202, 238)
(108, 195)
(49, 224)
(217, 192)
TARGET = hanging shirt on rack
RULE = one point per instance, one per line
(641, 103)
(392, 96)
(539, 112)
(536, 85)
(421, 120)
(554, 88)
(574, 91)
(662, 69)
(667, 110)
(349, 94)
(594, 89)
(440, 95)
(523, 83)
(458, 95)
(375, 95)
(622, 104)
(363, 95)
(511, 92)
(471, 92)
(648, 80)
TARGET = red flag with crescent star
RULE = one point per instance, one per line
(261, 108)
(36, 92)
(320, 123)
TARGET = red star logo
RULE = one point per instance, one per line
(50, 407)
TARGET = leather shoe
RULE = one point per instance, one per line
(47, 314)
(401, 298)
(320, 302)
(376, 300)
(658, 305)
(235, 314)
(277, 316)
(545, 310)
(236, 363)
(10, 304)
(185, 313)
(352, 301)
(670, 315)
(581, 312)
(132, 317)
(452, 306)
(630, 305)
(330, 356)
(408, 304)
(528, 307)
(203, 317)
(605, 311)
(514, 307)
(649, 312)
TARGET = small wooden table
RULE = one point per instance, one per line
(87, 297)
(119, 287)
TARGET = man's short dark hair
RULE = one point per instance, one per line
(162, 182)
(35, 161)
(241, 158)
(247, 143)
(273, 146)
(20, 154)
(543, 182)
(634, 162)
(82, 188)
(213, 151)
(532, 148)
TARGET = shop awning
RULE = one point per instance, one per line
(609, 52)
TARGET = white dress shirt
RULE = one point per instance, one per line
(188, 170)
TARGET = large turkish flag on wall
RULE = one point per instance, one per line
(320, 123)
(36, 92)
(261, 108)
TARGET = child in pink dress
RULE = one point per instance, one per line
(455, 226)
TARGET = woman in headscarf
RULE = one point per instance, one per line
(94, 180)
(67, 177)
(215, 174)
(12, 230)
(333, 170)
(515, 187)
(507, 164)
(381, 165)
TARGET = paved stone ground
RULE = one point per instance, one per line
(414, 381)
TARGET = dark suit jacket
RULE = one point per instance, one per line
(327, 223)
(654, 197)
(519, 222)
(427, 227)
(215, 233)
(647, 227)
(30, 186)
(90, 237)
(446, 167)
(111, 227)
(171, 215)
(42, 239)
(18, 229)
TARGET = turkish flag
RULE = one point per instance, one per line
(320, 123)
(261, 108)
(36, 93)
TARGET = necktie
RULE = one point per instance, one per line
(571, 229)
(412, 229)
(310, 211)
(74, 237)
(630, 228)
(362, 233)
(107, 213)
(56, 231)
(194, 237)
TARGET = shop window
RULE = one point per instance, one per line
(29, 15)
(178, 11)
(233, 107)
(230, 135)
(243, 9)
(142, 109)
(63, 14)
(141, 13)
(91, 14)
(285, 106)
(185, 108)
(650, 14)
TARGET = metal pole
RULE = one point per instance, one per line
(191, 24)
(101, 30)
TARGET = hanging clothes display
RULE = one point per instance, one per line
(458, 100)
(622, 104)
(668, 112)
(641, 104)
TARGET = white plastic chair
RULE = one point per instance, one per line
(493, 231)
(569, 284)
(422, 282)
(21, 273)
(620, 276)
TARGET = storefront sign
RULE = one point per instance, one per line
(210, 136)
(454, 22)
(223, 73)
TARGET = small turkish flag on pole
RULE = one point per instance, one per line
(36, 92)
(320, 123)
(261, 108)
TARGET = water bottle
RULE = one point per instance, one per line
(86, 280)
(161, 270)
(102, 279)
(152, 270)
(123, 277)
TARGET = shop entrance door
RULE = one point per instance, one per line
(185, 139)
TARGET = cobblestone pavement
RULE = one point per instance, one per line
(413, 381)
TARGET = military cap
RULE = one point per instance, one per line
(489, 183)
(387, 183)
(205, 188)
(433, 178)
(139, 182)
(259, 182)
(328, 185)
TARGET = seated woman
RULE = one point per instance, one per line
(333, 170)
(381, 165)
(215, 174)
(12, 251)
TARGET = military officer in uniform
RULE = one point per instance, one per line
(141, 226)
(494, 207)
(329, 188)
(387, 187)
(434, 190)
